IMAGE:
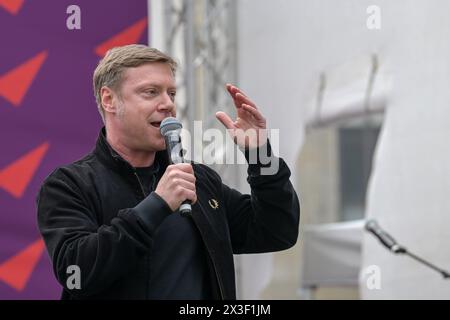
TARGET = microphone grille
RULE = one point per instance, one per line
(371, 225)
(169, 124)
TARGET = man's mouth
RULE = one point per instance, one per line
(156, 124)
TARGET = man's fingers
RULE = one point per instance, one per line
(185, 194)
(242, 99)
(191, 195)
(181, 175)
(239, 97)
(185, 184)
(230, 90)
(184, 167)
(254, 112)
(233, 90)
(225, 119)
(177, 184)
(232, 93)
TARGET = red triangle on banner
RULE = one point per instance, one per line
(15, 83)
(130, 35)
(16, 177)
(12, 6)
(16, 271)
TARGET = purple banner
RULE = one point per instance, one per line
(48, 115)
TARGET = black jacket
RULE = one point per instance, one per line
(87, 217)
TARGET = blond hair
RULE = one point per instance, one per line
(109, 69)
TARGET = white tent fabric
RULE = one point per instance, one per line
(410, 184)
(280, 64)
(354, 88)
(332, 254)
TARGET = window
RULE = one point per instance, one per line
(356, 149)
(334, 169)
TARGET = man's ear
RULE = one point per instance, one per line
(108, 96)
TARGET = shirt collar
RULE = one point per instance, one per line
(111, 158)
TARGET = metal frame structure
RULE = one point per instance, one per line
(202, 36)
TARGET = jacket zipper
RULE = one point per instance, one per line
(140, 184)
(143, 193)
(219, 282)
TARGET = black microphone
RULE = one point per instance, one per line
(170, 129)
(389, 242)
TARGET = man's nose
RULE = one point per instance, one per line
(168, 103)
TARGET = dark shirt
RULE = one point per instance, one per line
(178, 267)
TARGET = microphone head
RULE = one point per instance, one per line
(371, 225)
(169, 124)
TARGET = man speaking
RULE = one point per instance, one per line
(114, 214)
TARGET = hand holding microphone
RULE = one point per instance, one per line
(177, 185)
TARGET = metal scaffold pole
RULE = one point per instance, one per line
(201, 35)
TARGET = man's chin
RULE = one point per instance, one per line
(162, 148)
(160, 145)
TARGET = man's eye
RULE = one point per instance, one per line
(172, 95)
(151, 92)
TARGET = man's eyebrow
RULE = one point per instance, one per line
(151, 84)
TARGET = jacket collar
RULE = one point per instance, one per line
(112, 159)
